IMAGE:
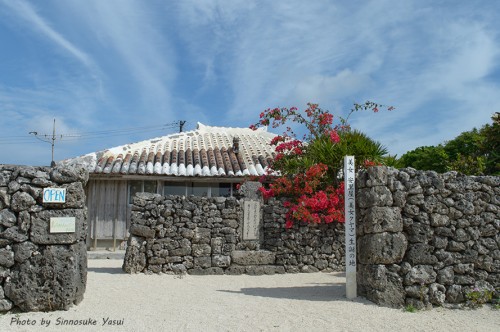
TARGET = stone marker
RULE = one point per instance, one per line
(251, 220)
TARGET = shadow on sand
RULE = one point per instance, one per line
(315, 292)
(108, 270)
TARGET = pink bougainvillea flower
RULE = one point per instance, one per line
(334, 136)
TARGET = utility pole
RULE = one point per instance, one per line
(48, 139)
(53, 163)
(181, 125)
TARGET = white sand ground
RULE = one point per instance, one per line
(292, 302)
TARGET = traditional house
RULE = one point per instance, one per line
(208, 161)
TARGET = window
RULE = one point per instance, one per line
(149, 186)
(201, 189)
(139, 186)
(222, 190)
(174, 188)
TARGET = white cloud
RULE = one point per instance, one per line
(129, 33)
(224, 62)
(320, 88)
(28, 13)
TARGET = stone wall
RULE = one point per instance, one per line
(304, 247)
(199, 235)
(39, 270)
(426, 239)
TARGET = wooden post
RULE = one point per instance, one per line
(114, 232)
(350, 226)
(95, 231)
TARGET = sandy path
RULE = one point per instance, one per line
(293, 302)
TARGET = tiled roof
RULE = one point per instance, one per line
(206, 151)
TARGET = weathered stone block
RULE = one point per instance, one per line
(399, 198)
(455, 246)
(382, 248)
(24, 221)
(179, 269)
(135, 257)
(202, 235)
(488, 230)
(465, 207)
(142, 231)
(454, 294)
(157, 260)
(250, 190)
(23, 251)
(437, 294)
(21, 201)
(4, 198)
(258, 257)
(419, 232)
(372, 276)
(174, 259)
(5, 178)
(40, 227)
(464, 280)
(208, 271)
(75, 197)
(221, 260)
(439, 220)
(14, 187)
(383, 219)
(255, 270)
(392, 296)
(486, 263)
(440, 242)
(461, 235)
(216, 244)
(375, 196)
(377, 176)
(321, 264)
(69, 173)
(201, 250)
(421, 253)
(181, 252)
(13, 234)
(420, 274)
(417, 292)
(42, 182)
(7, 218)
(53, 280)
(5, 305)
(153, 268)
(463, 268)
(6, 257)
(235, 270)
(417, 199)
(446, 276)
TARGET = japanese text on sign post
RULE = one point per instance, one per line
(350, 226)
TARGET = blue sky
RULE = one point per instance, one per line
(102, 66)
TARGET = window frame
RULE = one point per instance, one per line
(129, 186)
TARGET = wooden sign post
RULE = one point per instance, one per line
(350, 226)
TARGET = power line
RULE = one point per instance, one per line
(126, 130)
(90, 135)
(86, 135)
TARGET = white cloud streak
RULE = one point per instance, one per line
(411, 55)
(169, 61)
(26, 12)
(128, 29)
